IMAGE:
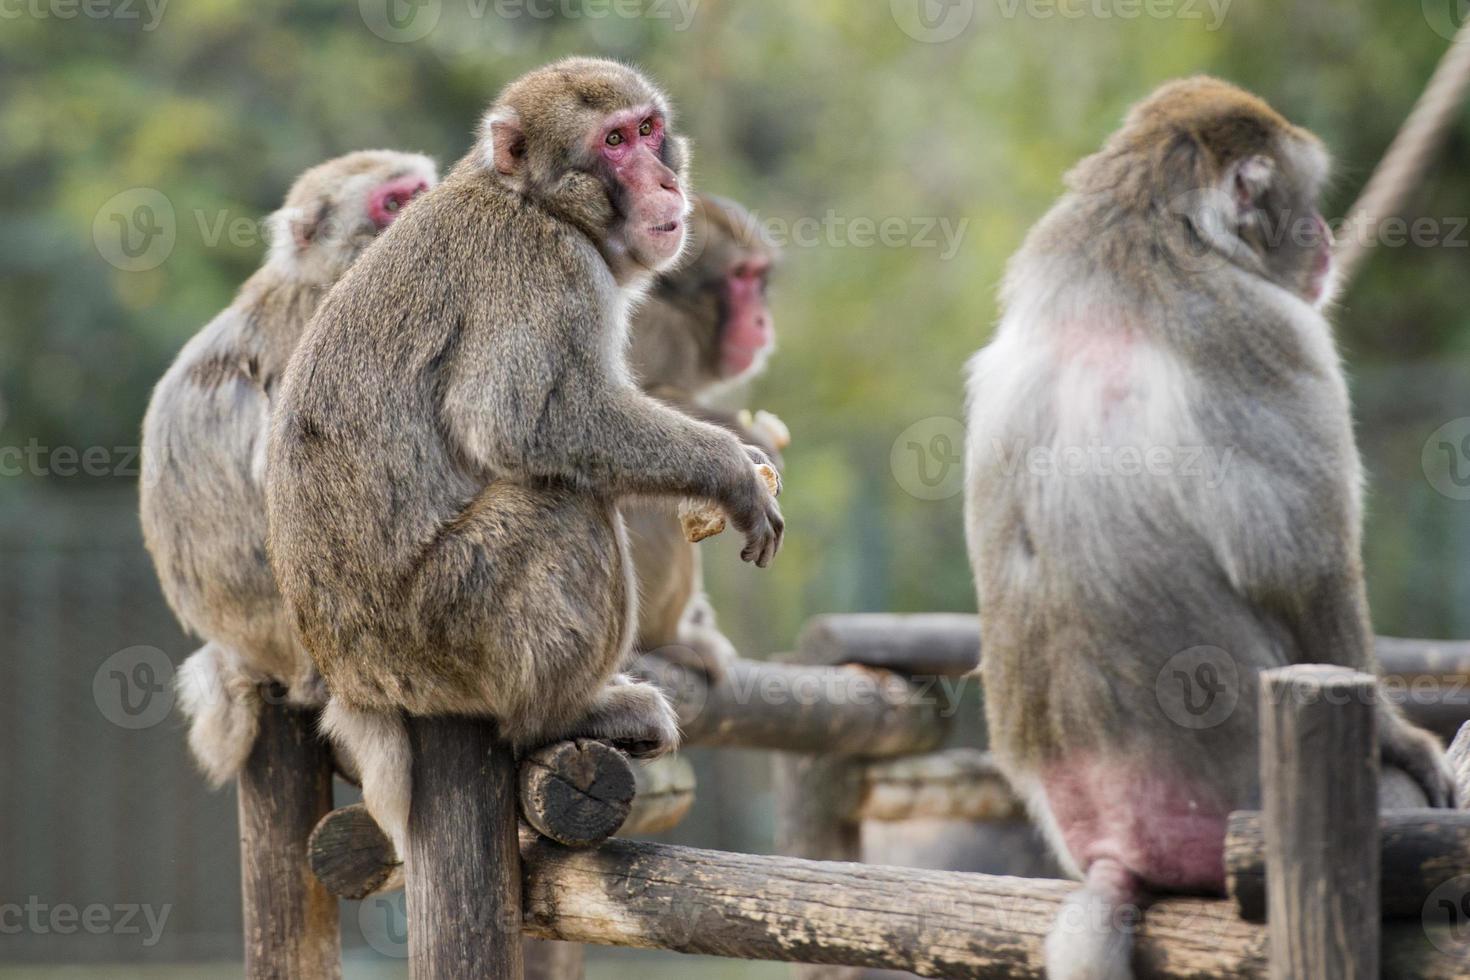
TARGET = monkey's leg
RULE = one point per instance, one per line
(1335, 629)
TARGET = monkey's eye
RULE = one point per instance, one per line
(645, 128)
(615, 138)
(391, 205)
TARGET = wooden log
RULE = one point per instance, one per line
(942, 923)
(576, 793)
(354, 860)
(1401, 657)
(285, 787)
(582, 792)
(1421, 850)
(922, 645)
(934, 923)
(463, 875)
(957, 784)
(1319, 781)
(797, 708)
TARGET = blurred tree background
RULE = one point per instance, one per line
(827, 118)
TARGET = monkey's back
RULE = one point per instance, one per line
(394, 547)
(201, 496)
(1104, 581)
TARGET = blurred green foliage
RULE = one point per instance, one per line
(800, 110)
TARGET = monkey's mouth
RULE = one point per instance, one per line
(667, 228)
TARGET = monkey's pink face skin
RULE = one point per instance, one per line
(1321, 272)
(747, 330)
(387, 200)
(1166, 831)
(630, 142)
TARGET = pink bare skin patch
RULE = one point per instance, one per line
(1104, 354)
(1161, 829)
(748, 331)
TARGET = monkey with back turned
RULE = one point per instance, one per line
(202, 489)
(1168, 304)
(459, 425)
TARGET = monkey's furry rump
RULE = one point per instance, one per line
(222, 702)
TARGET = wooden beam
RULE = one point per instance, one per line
(354, 860)
(291, 930)
(1319, 782)
(940, 923)
(463, 873)
(957, 784)
(804, 708)
(924, 644)
(1421, 850)
(582, 792)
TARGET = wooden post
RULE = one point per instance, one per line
(1319, 781)
(291, 930)
(462, 874)
(816, 796)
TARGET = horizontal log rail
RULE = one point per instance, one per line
(1421, 850)
(957, 784)
(807, 708)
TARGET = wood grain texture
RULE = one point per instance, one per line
(921, 644)
(291, 925)
(1421, 849)
(1319, 776)
(957, 784)
(462, 874)
(805, 708)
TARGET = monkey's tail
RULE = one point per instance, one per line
(221, 699)
(1092, 938)
(376, 745)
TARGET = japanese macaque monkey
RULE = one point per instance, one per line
(1166, 306)
(704, 328)
(204, 436)
(459, 426)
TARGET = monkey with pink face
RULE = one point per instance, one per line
(460, 424)
(1167, 305)
(202, 488)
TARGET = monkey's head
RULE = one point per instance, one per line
(593, 142)
(721, 293)
(336, 208)
(1220, 173)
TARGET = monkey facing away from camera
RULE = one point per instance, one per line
(204, 436)
(459, 425)
(1166, 305)
(704, 327)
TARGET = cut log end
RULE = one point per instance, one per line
(577, 793)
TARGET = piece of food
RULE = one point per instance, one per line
(702, 520)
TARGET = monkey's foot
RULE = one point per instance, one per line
(635, 717)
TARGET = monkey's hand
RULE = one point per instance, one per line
(701, 520)
(1419, 754)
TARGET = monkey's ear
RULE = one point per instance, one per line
(506, 151)
(1246, 181)
(306, 224)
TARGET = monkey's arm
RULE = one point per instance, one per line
(729, 421)
(536, 393)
